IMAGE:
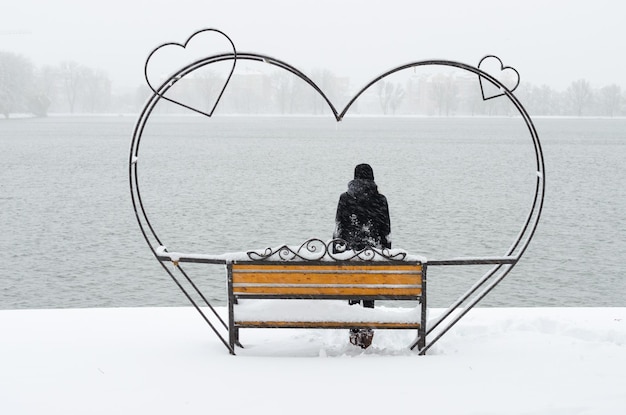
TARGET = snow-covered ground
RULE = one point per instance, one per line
(167, 361)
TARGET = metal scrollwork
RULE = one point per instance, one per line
(317, 250)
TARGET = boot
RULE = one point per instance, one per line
(361, 337)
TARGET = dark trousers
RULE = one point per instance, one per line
(366, 303)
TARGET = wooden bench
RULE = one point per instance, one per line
(304, 294)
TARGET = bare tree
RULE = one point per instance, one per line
(96, 90)
(610, 99)
(283, 91)
(335, 87)
(72, 75)
(205, 89)
(385, 89)
(390, 96)
(45, 91)
(444, 90)
(396, 98)
(16, 83)
(324, 79)
(579, 94)
(546, 100)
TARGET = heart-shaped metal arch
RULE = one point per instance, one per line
(173, 79)
(502, 265)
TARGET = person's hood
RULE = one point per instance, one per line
(362, 188)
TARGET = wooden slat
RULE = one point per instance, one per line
(326, 324)
(321, 290)
(313, 278)
(325, 274)
(300, 266)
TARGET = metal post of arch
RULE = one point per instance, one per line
(502, 265)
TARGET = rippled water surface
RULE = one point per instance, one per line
(456, 187)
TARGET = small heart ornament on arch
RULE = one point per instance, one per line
(507, 75)
(181, 51)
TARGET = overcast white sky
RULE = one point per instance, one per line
(548, 41)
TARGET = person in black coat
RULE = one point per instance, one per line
(362, 221)
(362, 218)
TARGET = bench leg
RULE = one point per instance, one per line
(237, 343)
(231, 339)
(421, 343)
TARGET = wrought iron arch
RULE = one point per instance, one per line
(502, 265)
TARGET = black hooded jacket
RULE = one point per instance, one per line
(363, 216)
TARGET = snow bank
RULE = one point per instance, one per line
(167, 361)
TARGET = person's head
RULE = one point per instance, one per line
(364, 172)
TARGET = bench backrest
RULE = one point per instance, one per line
(332, 280)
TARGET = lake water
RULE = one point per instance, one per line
(456, 187)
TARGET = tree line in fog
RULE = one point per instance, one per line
(70, 87)
(66, 87)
